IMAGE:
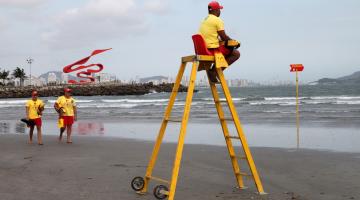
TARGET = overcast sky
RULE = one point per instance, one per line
(148, 37)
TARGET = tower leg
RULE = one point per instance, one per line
(240, 132)
(161, 133)
(179, 150)
(225, 129)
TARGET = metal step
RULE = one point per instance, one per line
(232, 137)
(178, 120)
(221, 101)
(244, 174)
(157, 179)
(238, 157)
(227, 119)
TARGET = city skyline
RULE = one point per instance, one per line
(58, 77)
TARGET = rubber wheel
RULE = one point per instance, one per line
(157, 191)
(138, 183)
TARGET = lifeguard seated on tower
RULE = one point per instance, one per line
(213, 32)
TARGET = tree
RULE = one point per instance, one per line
(19, 73)
(4, 75)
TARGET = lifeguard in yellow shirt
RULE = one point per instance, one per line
(213, 31)
(34, 108)
(66, 107)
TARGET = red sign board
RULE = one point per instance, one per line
(296, 68)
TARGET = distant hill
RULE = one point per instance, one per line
(58, 75)
(345, 80)
(153, 78)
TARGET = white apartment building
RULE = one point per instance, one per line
(64, 78)
(51, 78)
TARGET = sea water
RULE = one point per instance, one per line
(328, 115)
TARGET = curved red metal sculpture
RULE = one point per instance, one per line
(86, 74)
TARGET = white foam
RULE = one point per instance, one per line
(223, 99)
(348, 102)
(134, 100)
(317, 102)
(279, 103)
(123, 105)
(83, 101)
(282, 98)
(76, 100)
(13, 102)
(11, 106)
(336, 97)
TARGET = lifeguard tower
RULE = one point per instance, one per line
(203, 60)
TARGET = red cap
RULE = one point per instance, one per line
(67, 90)
(34, 93)
(214, 5)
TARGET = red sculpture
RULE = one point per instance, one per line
(88, 73)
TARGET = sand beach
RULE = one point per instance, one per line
(114, 137)
(102, 168)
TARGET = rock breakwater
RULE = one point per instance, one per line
(89, 90)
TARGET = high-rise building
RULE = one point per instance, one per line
(102, 77)
(51, 78)
(64, 78)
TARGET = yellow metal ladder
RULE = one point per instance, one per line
(199, 62)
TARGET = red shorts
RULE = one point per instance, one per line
(225, 51)
(68, 120)
(37, 121)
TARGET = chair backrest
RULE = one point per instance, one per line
(200, 45)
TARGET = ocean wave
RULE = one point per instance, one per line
(124, 105)
(254, 98)
(326, 111)
(273, 103)
(221, 99)
(11, 106)
(316, 102)
(154, 93)
(83, 101)
(134, 100)
(180, 103)
(347, 102)
(13, 102)
(283, 98)
(335, 97)
(76, 100)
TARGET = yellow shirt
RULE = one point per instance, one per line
(209, 30)
(33, 107)
(67, 104)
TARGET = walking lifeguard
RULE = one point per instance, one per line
(66, 107)
(34, 108)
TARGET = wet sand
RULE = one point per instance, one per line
(102, 168)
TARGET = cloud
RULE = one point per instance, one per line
(3, 24)
(21, 3)
(97, 20)
(156, 6)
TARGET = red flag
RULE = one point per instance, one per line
(296, 67)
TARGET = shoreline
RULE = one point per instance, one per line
(258, 135)
(102, 168)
